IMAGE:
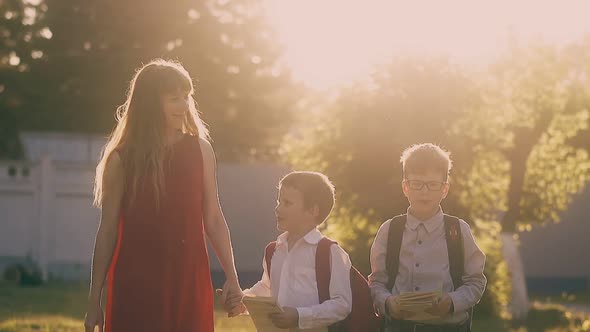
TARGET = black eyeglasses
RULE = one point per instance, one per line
(431, 185)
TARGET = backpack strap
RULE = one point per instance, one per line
(269, 251)
(456, 255)
(323, 272)
(455, 249)
(394, 244)
(322, 265)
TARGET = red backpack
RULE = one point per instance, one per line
(362, 317)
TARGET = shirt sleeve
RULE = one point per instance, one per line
(262, 287)
(379, 278)
(340, 303)
(474, 281)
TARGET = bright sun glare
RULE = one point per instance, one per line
(333, 42)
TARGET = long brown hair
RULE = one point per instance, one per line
(141, 127)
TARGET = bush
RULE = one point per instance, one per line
(355, 233)
(551, 317)
(24, 274)
(497, 295)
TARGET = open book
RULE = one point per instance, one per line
(418, 302)
(259, 308)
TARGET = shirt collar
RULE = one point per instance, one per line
(430, 224)
(312, 237)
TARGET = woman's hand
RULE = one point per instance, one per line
(94, 317)
(231, 298)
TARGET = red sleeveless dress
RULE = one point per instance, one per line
(159, 279)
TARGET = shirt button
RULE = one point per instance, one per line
(419, 241)
(416, 288)
(417, 264)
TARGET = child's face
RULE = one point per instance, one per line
(175, 107)
(425, 191)
(292, 216)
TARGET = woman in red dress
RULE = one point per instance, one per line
(156, 186)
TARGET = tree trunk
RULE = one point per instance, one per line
(519, 299)
(525, 140)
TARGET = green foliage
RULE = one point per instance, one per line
(510, 131)
(354, 232)
(24, 274)
(497, 296)
(22, 39)
(535, 104)
(483, 187)
(357, 138)
(95, 47)
(555, 171)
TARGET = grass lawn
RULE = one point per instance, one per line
(61, 307)
(565, 298)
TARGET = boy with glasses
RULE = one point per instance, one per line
(420, 250)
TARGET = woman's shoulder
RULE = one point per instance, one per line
(203, 142)
(114, 169)
(204, 145)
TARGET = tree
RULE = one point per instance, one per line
(22, 38)
(358, 138)
(510, 130)
(226, 45)
(536, 102)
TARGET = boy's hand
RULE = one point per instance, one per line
(287, 319)
(394, 309)
(442, 307)
(234, 308)
(240, 309)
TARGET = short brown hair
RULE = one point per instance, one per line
(420, 158)
(316, 188)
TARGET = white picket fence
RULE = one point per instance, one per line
(47, 214)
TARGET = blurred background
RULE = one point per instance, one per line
(340, 87)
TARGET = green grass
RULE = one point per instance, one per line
(59, 307)
(54, 299)
(565, 298)
(36, 323)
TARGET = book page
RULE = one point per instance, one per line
(418, 302)
(259, 309)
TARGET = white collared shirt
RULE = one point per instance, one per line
(424, 264)
(292, 282)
